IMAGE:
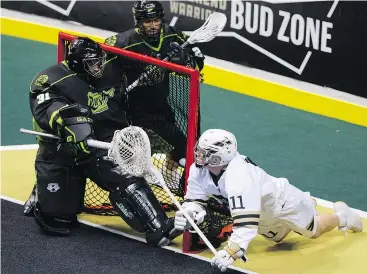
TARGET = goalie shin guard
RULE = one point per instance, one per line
(140, 209)
(124, 208)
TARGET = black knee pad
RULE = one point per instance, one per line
(54, 225)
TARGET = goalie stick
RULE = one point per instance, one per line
(207, 32)
(130, 149)
(90, 142)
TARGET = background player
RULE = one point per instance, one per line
(259, 203)
(150, 105)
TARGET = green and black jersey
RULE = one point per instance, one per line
(151, 94)
(58, 86)
(133, 40)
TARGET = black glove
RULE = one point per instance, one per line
(75, 126)
(189, 57)
(179, 55)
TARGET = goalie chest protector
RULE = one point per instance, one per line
(105, 100)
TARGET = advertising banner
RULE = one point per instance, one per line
(320, 42)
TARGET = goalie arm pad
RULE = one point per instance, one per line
(45, 106)
(74, 125)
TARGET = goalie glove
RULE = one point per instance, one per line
(227, 256)
(194, 210)
(75, 126)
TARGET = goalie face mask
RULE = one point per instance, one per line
(86, 56)
(95, 66)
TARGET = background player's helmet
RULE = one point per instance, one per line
(148, 10)
(85, 55)
(216, 147)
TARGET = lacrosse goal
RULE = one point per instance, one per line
(182, 85)
(183, 99)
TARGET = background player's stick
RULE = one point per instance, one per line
(130, 149)
(207, 32)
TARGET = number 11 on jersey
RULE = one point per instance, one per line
(236, 202)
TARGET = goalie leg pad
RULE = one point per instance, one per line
(54, 225)
(123, 207)
(59, 188)
(59, 194)
(139, 207)
(136, 202)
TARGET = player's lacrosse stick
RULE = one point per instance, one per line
(130, 149)
(207, 32)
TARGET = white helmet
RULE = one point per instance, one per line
(216, 147)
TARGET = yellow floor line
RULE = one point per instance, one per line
(332, 253)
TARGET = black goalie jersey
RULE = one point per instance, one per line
(58, 86)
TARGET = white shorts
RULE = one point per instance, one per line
(298, 214)
(275, 232)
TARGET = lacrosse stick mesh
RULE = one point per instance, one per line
(207, 32)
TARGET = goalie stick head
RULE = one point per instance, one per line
(130, 149)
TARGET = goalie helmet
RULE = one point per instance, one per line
(86, 56)
(148, 10)
(216, 147)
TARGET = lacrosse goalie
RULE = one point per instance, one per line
(259, 203)
(71, 101)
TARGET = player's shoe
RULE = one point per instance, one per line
(354, 221)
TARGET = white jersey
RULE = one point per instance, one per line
(255, 198)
